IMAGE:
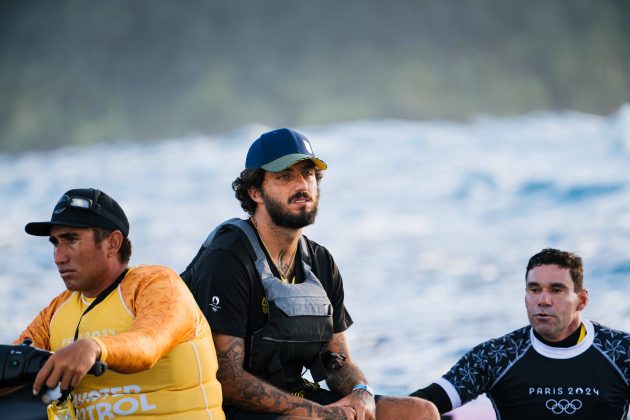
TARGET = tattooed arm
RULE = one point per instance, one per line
(248, 392)
(343, 380)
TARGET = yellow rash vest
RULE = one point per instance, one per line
(155, 340)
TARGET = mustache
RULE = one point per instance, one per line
(301, 194)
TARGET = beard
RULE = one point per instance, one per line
(283, 218)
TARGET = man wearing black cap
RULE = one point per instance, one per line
(275, 299)
(142, 321)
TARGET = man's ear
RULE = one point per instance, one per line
(582, 299)
(255, 194)
(113, 243)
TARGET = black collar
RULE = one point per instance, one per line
(570, 341)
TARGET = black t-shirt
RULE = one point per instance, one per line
(229, 291)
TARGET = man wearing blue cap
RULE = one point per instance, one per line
(275, 299)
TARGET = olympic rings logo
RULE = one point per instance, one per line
(563, 406)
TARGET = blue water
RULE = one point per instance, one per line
(431, 223)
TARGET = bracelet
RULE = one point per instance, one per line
(364, 387)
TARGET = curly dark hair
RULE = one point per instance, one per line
(562, 259)
(124, 253)
(254, 178)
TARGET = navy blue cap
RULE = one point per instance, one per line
(86, 207)
(278, 149)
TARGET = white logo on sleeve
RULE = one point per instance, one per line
(215, 303)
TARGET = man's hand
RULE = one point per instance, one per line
(68, 365)
(248, 392)
(342, 380)
(361, 401)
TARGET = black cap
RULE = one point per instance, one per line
(85, 207)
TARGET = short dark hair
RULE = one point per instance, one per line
(564, 259)
(254, 178)
(124, 253)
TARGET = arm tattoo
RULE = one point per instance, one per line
(244, 390)
(343, 380)
(231, 359)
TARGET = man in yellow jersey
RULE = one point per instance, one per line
(559, 366)
(275, 299)
(141, 321)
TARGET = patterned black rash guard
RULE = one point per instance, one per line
(527, 379)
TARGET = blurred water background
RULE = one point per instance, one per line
(431, 223)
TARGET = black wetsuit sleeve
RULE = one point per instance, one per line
(436, 395)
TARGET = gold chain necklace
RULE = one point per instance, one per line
(283, 273)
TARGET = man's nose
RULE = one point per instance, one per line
(544, 299)
(60, 255)
(301, 184)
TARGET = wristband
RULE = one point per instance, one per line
(364, 387)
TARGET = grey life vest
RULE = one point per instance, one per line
(299, 324)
